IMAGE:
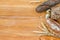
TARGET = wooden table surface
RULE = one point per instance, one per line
(19, 20)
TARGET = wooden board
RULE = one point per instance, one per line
(18, 20)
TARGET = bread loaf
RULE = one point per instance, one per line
(55, 13)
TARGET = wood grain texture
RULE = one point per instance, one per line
(18, 20)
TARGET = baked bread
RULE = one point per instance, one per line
(54, 20)
(55, 13)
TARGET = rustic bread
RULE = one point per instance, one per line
(55, 13)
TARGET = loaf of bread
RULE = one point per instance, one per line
(46, 5)
(55, 13)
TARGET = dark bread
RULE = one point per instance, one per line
(46, 5)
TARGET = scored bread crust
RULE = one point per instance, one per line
(55, 13)
(54, 21)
